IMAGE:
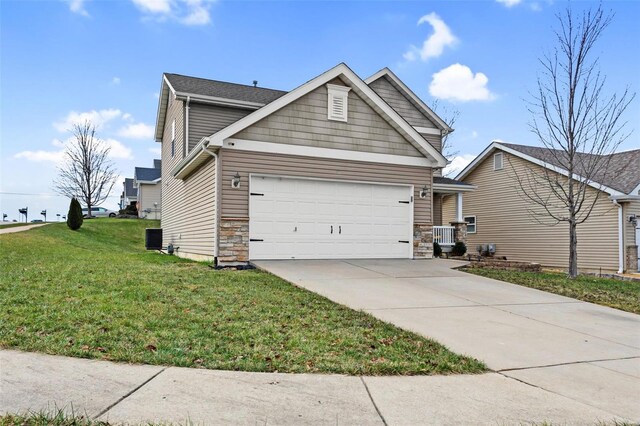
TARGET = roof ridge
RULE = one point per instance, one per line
(225, 82)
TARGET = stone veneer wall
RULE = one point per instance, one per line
(422, 241)
(631, 263)
(233, 245)
(460, 233)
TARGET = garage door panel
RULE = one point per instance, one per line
(294, 218)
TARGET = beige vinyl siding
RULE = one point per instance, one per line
(235, 202)
(437, 209)
(399, 102)
(502, 218)
(305, 122)
(205, 120)
(148, 194)
(188, 219)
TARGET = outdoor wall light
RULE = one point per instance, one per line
(424, 192)
(235, 182)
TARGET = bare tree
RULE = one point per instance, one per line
(87, 173)
(578, 122)
(449, 116)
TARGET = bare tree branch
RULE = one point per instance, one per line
(579, 123)
(87, 173)
(449, 116)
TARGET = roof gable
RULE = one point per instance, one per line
(410, 96)
(360, 88)
(621, 179)
(146, 174)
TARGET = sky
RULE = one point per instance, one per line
(64, 61)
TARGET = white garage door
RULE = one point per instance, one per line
(315, 219)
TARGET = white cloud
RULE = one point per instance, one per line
(435, 44)
(136, 131)
(509, 3)
(41, 156)
(77, 6)
(187, 12)
(458, 163)
(97, 118)
(118, 150)
(115, 81)
(458, 83)
(156, 151)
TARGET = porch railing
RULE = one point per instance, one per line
(444, 235)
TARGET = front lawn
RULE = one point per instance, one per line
(96, 293)
(624, 295)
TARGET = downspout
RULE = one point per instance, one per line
(186, 127)
(620, 236)
(215, 201)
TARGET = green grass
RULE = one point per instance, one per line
(96, 293)
(624, 295)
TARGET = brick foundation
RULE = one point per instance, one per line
(233, 244)
(422, 241)
(631, 262)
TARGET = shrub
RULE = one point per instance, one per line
(74, 217)
(437, 250)
(459, 249)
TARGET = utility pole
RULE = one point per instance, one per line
(44, 213)
(25, 212)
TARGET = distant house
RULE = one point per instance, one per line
(339, 167)
(129, 194)
(497, 213)
(148, 183)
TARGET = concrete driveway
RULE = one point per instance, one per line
(582, 351)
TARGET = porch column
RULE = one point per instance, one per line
(459, 208)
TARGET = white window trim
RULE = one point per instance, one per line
(495, 156)
(475, 224)
(334, 91)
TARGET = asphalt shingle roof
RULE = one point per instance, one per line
(146, 173)
(129, 189)
(449, 181)
(622, 175)
(157, 163)
(223, 89)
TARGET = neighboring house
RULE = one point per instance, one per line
(148, 182)
(129, 194)
(339, 167)
(498, 213)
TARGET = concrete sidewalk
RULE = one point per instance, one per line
(141, 393)
(14, 229)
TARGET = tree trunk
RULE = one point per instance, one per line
(573, 249)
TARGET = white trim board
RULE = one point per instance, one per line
(312, 151)
(497, 145)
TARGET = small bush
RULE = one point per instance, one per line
(437, 250)
(459, 249)
(74, 217)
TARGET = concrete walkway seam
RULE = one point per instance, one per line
(569, 363)
(384, 422)
(128, 394)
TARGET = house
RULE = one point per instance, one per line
(497, 213)
(148, 182)
(129, 194)
(339, 167)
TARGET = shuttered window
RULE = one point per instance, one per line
(338, 102)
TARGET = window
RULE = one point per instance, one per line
(338, 102)
(173, 138)
(471, 224)
(498, 162)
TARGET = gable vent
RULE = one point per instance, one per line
(338, 102)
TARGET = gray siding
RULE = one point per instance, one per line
(148, 194)
(304, 122)
(205, 120)
(188, 219)
(398, 101)
(235, 202)
(502, 218)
